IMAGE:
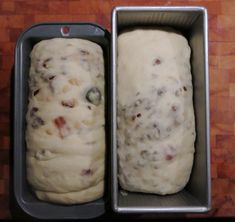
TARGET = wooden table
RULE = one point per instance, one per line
(16, 15)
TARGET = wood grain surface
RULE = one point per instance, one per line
(17, 15)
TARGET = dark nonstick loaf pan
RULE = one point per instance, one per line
(23, 194)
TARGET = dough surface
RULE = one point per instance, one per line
(155, 123)
(65, 121)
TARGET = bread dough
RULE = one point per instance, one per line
(65, 121)
(156, 126)
(82, 196)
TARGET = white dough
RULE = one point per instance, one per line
(156, 126)
(65, 121)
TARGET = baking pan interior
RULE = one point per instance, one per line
(192, 22)
(24, 196)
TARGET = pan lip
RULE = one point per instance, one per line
(35, 25)
(160, 8)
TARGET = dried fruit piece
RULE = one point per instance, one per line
(36, 92)
(68, 103)
(51, 77)
(45, 62)
(157, 61)
(94, 96)
(174, 108)
(59, 121)
(33, 111)
(170, 153)
(139, 115)
(61, 124)
(87, 172)
(169, 157)
(84, 52)
(37, 122)
(160, 92)
(155, 125)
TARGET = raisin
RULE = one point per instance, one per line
(45, 65)
(33, 111)
(169, 157)
(154, 125)
(87, 172)
(37, 122)
(157, 61)
(84, 52)
(161, 91)
(68, 103)
(94, 96)
(89, 107)
(36, 92)
(51, 77)
(174, 108)
(99, 75)
(138, 115)
(185, 89)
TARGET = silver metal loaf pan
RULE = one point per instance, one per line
(192, 22)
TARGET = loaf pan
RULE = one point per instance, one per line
(23, 194)
(193, 23)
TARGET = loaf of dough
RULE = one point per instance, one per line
(65, 121)
(155, 123)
